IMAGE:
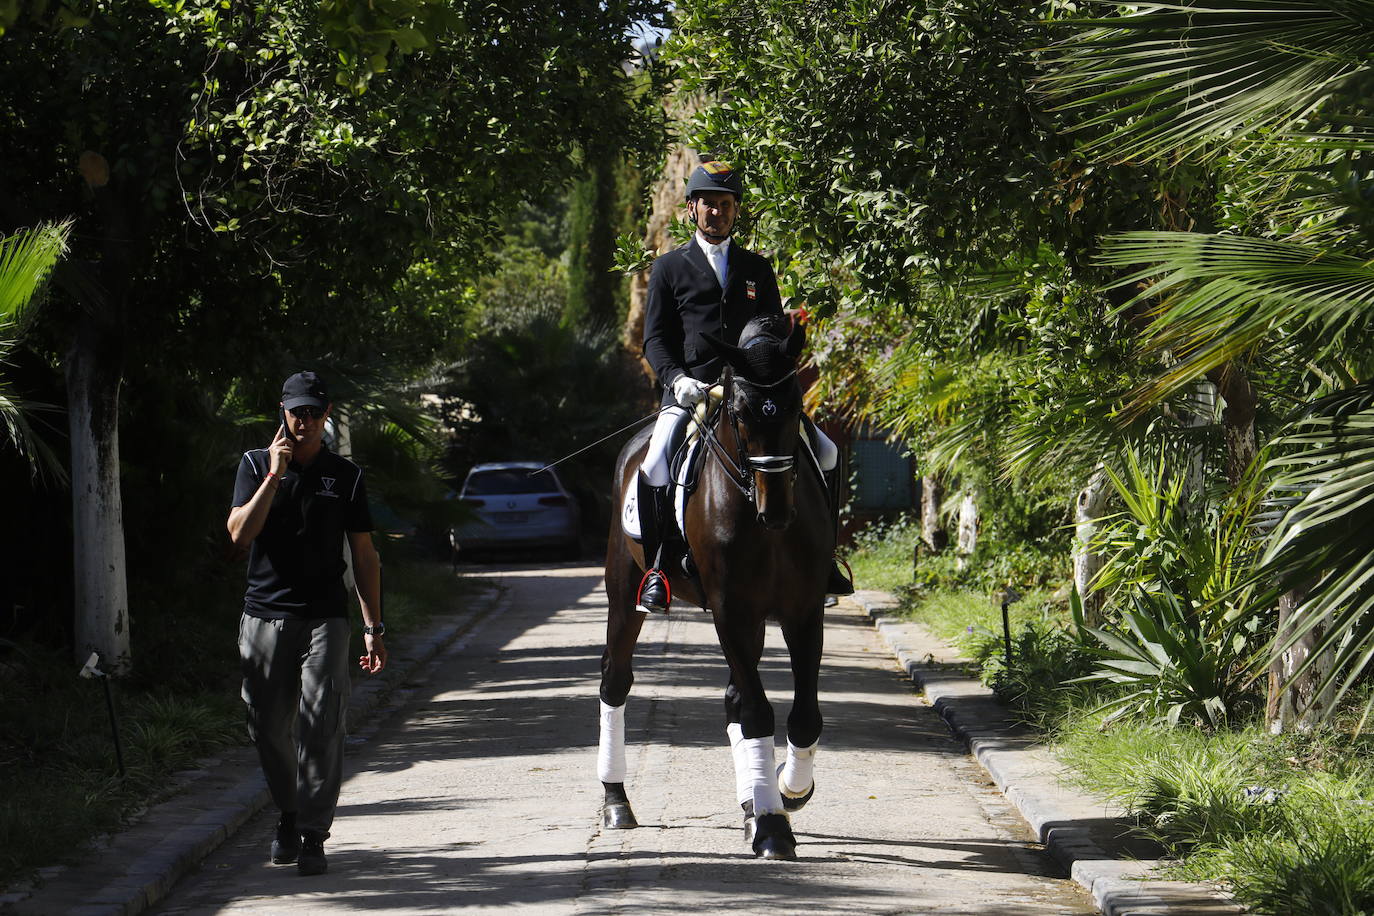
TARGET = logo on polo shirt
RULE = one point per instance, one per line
(328, 487)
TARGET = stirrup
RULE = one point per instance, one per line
(646, 584)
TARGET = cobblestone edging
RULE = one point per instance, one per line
(1076, 828)
(135, 868)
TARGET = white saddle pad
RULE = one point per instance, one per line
(629, 509)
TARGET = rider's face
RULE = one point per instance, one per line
(714, 212)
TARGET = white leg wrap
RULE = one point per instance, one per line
(743, 792)
(795, 779)
(762, 775)
(610, 756)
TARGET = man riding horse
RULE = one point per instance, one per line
(708, 286)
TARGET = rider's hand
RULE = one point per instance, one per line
(688, 392)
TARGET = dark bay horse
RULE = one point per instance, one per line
(761, 538)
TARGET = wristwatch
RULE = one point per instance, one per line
(378, 630)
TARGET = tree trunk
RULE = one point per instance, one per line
(101, 587)
(1238, 419)
(933, 534)
(94, 371)
(1088, 509)
(968, 528)
(1296, 705)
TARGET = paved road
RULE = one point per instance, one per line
(480, 794)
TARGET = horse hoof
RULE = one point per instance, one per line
(773, 838)
(748, 821)
(790, 803)
(618, 816)
(776, 848)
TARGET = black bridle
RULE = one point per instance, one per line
(740, 468)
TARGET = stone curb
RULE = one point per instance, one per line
(138, 866)
(1071, 824)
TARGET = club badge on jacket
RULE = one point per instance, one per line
(751, 289)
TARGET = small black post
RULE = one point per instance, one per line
(1009, 597)
(92, 669)
(1006, 632)
(114, 724)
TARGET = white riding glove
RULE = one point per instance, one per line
(688, 392)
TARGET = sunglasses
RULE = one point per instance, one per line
(307, 412)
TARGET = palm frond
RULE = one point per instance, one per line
(1322, 544)
(1223, 294)
(26, 258)
(1175, 77)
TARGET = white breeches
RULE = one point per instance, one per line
(610, 755)
(655, 466)
(756, 775)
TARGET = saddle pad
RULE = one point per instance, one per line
(629, 509)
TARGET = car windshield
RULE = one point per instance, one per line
(508, 481)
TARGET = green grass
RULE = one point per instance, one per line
(182, 703)
(1286, 821)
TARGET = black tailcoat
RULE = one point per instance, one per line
(685, 300)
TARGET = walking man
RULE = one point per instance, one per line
(295, 504)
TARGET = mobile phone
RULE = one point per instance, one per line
(286, 427)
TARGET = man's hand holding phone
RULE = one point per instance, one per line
(281, 450)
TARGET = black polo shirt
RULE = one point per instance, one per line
(296, 565)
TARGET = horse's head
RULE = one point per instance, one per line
(764, 403)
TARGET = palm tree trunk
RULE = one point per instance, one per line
(1296, 704)
(1238, 419)
(1088, 509)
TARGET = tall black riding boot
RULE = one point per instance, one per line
(653, 597)
(839, 583)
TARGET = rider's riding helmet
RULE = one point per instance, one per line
(715, 176)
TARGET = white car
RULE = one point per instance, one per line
(518, 504)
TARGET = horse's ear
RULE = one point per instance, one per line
(731, 354)
(796, 341)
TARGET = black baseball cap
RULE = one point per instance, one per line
(304, 388)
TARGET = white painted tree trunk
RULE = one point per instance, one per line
(1088, 509)
(933, 534)
(967, 540)
(101, 586)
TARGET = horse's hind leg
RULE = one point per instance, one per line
(795, 777)
(617, 675)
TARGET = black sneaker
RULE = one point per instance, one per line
(311, 861)
(286, 845)
(653, 593)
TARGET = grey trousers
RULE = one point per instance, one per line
(295, 684)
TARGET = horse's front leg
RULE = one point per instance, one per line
(623, 624)
(750, 725)
(796, 778)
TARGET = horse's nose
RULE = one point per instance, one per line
(777, 524)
